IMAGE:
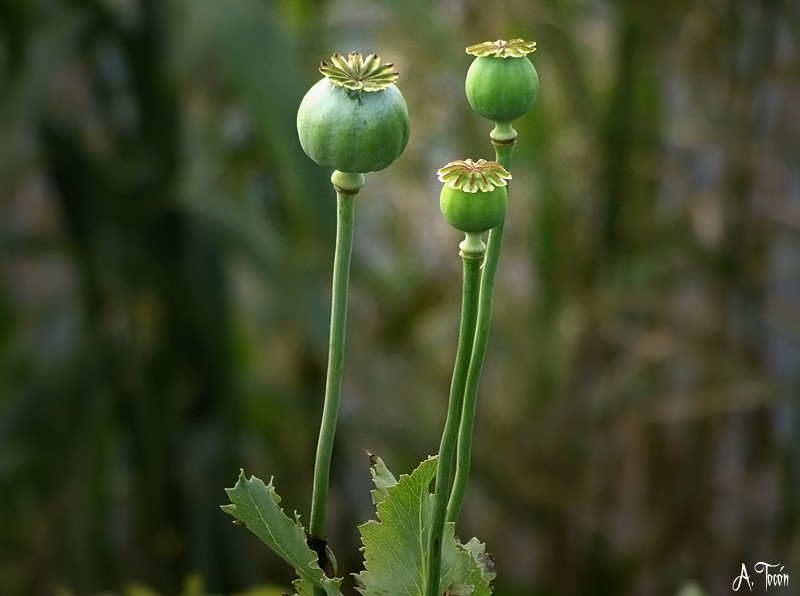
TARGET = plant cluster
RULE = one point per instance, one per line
(356, 121)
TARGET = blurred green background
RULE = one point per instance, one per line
(165, 271)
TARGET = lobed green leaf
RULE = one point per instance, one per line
(381, 477)
(395, 557)
(257, 506)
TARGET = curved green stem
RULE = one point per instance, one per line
(472, 254)
(347, 186)
(504, 143)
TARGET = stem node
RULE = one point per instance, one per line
(472, 247)
(503, 134)
(348, 183)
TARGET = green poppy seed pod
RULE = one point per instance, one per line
(502, 83)
(474, 197)
(354, 119)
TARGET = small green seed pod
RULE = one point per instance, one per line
(502, 83)
(474, 198)
(355, 119)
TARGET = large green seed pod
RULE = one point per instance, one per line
(355, 119)
(502, 83)
(474, 198)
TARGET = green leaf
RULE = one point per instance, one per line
(257, 506)
(303, 587)
(381, 477)
(485, 560)
(395, 547)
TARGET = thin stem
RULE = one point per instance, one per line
(504, 150)
(347, 186)
(472, 254)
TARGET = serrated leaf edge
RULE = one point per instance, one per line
(325, 583)
(449, 533)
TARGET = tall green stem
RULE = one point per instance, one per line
(347, 186)
(504, 139)
(472, 255)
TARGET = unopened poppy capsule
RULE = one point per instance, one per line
(502, 83)
(474, 198)
(354, 119)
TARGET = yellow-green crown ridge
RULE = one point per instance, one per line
(514, 48)
(473, 176)
(357, 73)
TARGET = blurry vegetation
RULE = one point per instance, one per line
(165, 262)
